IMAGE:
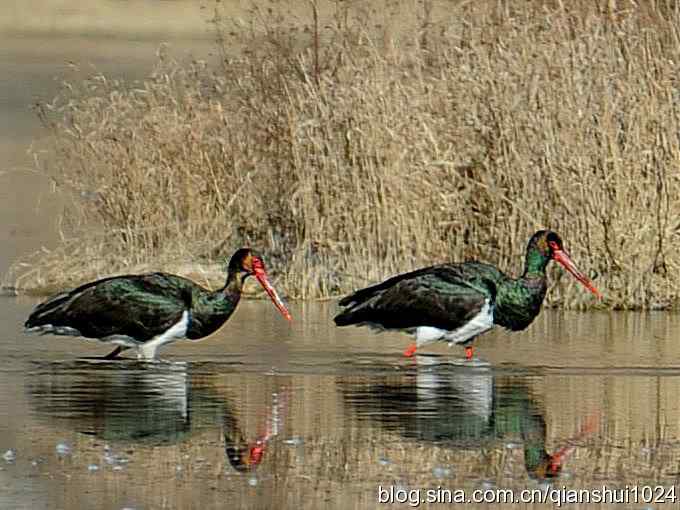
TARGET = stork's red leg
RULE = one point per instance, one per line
(410, 350)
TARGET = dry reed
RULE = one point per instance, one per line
(357, 141)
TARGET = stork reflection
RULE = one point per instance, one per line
(246, 455)
(462, 407)
(154, 405)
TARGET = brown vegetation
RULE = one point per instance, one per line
(354, 141)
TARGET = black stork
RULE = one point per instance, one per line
(146, 311)
(456, 302)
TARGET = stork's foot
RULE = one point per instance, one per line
(114, 354)
(410, 350)
(469, 352)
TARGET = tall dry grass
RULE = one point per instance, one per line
(359, 140)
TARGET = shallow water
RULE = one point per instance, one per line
(270, 415)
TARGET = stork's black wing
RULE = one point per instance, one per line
(138, 306)
(445, 296)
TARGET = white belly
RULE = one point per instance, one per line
(147, 350)
(479, 324)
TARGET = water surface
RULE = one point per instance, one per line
(270, 415)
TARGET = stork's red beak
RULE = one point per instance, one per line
(255, 454)
(589, 426)
(557, 460)
(261, 275)
(566, 262)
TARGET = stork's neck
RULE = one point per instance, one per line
(535, 457)
(534, 264)
(234, 285)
